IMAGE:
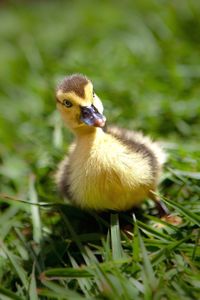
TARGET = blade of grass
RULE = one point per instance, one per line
(137, 284)
(181, 174)
(67, 273)
(107, 253)
(148, 269)
(6, 198)
(122, 285)
(161, 254)
(63, 292)
(33, 288)
(85, 284)
(57, 133)
(29, 249)
(83, 271)
(50, 294)
(16, 265)
(158, 220)
(8, 221)
(148, 229)
(147, 265)
(136, 246)
(9, 295)
(196, 245)
(8, 215)
(100, 276)
(194, 218)
(148, 291)
(37, 227)
(117, 252)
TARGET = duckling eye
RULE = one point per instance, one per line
(67, 103)
(93, 94)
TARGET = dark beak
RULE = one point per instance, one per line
(91, 116)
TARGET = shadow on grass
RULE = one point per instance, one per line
(75, 229)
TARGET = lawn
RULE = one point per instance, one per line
(143, 58)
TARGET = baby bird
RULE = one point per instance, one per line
(106, 169)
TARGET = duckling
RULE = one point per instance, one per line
(106, 169)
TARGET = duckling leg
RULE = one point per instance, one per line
(164, 213)
(162, 208)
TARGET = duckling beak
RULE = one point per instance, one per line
(91, 116)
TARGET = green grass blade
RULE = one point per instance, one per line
(107, 252)
(148, 229)
(62, 292)
(37, 226)
(33, 288)
(101, 277)
(57, 134)
(55, 294)
(136, 246)
(84, 271)
(196, 245)
(16, 265)
(148, 269)
(17, 201)
(194, 218)
(147, 264)
(158, 220)
(29, 249)
(8, 221)
(181, 174)
(84, 283)
(115, 237)
(9, 295)
(68, 273)
(161, 254)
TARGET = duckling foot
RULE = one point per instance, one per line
(172, 219)
(165, 215)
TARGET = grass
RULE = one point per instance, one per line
(143, 57)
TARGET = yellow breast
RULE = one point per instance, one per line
(105, 174)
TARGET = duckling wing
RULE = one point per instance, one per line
(141, 144)
(62, 175)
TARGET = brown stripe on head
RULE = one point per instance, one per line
(75, 83)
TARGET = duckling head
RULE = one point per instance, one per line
(78, 104)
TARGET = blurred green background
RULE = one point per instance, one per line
(144, 60)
